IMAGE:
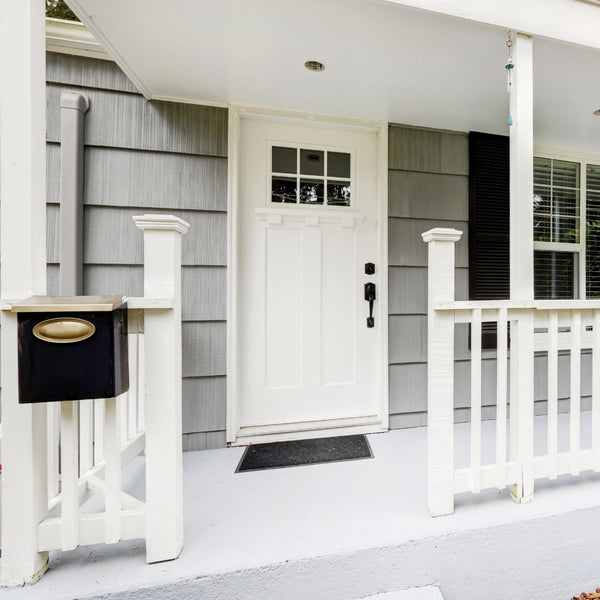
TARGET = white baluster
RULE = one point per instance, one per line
(476, 401)
(575, 409)
(112, 452)
(69, 459)
(501, 374)
(86, 435)
(53, 433)
(132, 395)
(553, 395)
(98, 430)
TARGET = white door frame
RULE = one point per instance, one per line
(236, 112)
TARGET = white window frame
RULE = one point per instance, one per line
(583, 157)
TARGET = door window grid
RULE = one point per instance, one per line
(311, 182)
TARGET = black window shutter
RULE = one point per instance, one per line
(489, 222)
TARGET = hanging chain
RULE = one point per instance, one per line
(510, 65)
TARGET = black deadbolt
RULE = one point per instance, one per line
(370, 268)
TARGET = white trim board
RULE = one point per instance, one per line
(571, 21)
(71, 37)
(234, 435)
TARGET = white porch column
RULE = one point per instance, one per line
(162, 330)
(521, 264)
(23, 259)
(521, 171)
(440, 371)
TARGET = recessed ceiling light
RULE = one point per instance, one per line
(314, 65)
(597, 112)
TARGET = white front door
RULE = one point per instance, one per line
(308, 224)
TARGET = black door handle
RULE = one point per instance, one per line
(370, 296)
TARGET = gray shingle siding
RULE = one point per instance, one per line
(428, 187)
(143, 157)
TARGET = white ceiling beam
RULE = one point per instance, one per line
(571, 21)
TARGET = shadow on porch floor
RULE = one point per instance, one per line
(340, 531)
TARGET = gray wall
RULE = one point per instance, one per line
(151, 157)
(428, 187)
(164, 157)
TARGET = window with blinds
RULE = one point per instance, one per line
(566, 231)
(592, 231)
(555, 201)
(554, 275)
(556, 227)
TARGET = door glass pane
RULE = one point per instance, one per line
(338, 193)
(338, 164)
(284, 160)
(554, 275)
(312, 162)
(284, 189)
(311, 191)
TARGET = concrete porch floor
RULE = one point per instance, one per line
(349, 530)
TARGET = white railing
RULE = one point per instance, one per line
(87, 443)
(546, 327)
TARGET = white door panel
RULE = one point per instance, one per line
(305, 354)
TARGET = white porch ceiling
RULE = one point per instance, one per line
(383, 62)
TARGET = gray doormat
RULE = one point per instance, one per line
(304, 452)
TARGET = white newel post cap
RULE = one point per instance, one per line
(161, 222)
(441, 234)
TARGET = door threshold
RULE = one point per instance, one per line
(305, 431)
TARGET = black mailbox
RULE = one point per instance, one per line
(72, 348)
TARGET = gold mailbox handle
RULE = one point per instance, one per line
(64, 330)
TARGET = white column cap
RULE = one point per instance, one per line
(441, 234)
(163, 222)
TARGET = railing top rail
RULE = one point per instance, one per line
(149, 303)
(482, 304)
(518, 305)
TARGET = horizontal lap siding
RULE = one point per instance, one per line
(428, 187)
(144, 157)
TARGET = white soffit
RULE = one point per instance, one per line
(383, 62)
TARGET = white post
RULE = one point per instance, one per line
(164, 467)
(521, 264)
(521, 171)
(440, 371)
(23, 258)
